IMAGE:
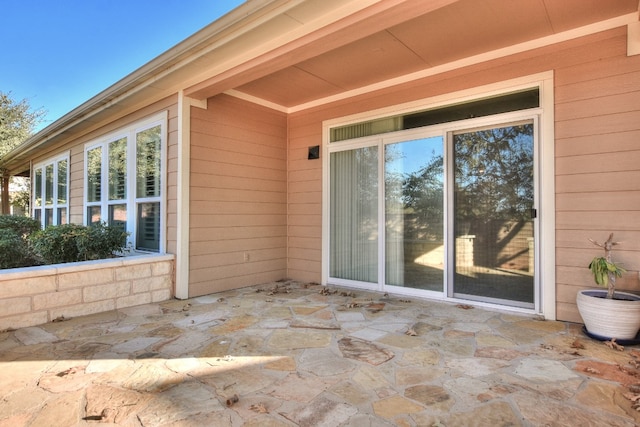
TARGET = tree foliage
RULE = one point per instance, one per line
(17, 122)
(493, 173)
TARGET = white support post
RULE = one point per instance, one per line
(633, 38)
(183, 194)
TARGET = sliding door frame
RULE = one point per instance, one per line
(545, 301)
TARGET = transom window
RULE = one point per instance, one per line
(51, 191)
(123, 182)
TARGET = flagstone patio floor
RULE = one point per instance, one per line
(295, 354)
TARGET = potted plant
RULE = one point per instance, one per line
(608, 313)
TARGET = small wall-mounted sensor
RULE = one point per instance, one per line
(314, 152)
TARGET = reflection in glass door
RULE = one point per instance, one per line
(493, 232)
(414, 214)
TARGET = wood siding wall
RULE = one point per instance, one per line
(238, 204)
(597, 88)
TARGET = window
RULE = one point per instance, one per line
(515, 101)
(123, 182)
(51, 191)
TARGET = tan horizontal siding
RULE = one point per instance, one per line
(238, 197)
(597, 168)
(243, 232)
(592, 144)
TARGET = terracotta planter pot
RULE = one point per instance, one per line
(610, 318)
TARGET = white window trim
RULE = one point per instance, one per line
(545, 261)
(55, 206)
(131, 200)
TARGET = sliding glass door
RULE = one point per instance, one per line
(444, 209)
(493, 214)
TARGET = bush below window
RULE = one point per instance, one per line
(15, 250)
(72, 242)
(23, 244)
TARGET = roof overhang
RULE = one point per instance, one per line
(296, 54)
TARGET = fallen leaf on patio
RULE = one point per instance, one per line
(577, 344)
(633, 398)
(353, 305)
(375, 307)
(630, 371)
(613, 345)
(67, 372)
(60, 319)
(405, 300)
(186, 307)
(104, 415)
(93, 418)
(411, 333)
(464, 306)
(259, 408)
(547, 346)
(232, 400)
(592, 370)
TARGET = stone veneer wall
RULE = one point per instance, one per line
(36, 295)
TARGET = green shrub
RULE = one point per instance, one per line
(57, 244)
(72, 242)
(21, 225)
(15, 250)
(100, 241)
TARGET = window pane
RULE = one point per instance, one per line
(148, 229)
(48, 217)
(37, 197)
(37, 214)
(93, 215)
(62, 182)
(48, 189)
(414, 213)
(94, 174)
(118, 216)
(494, 195)
(118, 169)
(62, 216)
(148, 152)
(354, 215)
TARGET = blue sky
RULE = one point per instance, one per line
(57, 54)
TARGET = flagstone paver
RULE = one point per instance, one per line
(297, 354)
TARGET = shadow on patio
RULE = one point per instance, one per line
(302, 354)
